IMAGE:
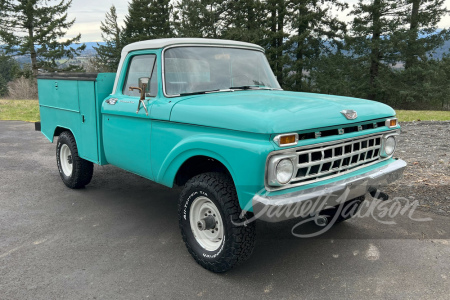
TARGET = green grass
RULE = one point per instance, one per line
(422, 115)
(21, 110)
(28, 110)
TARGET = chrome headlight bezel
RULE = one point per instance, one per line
(383, 144)
(273, 164)
(284, 171)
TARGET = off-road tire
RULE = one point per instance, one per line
(82, 169)
(238, 240)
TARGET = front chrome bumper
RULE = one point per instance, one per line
(305, 202)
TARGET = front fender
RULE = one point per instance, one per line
(243, 154)
(180, 155)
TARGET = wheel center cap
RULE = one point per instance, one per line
(206, 223)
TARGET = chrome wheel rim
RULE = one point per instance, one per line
(65, 157)
(209, 239)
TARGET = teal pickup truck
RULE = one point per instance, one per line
(209, 116)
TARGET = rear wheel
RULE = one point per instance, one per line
(75, 172)
(210, 223)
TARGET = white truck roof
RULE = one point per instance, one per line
(162, 43)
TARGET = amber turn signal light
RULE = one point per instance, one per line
(391, 123)
(288, 139)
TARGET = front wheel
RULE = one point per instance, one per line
(75, 172)
(210, 223)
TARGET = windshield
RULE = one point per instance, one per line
(192, 70)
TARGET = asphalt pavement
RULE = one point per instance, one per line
(119, 239)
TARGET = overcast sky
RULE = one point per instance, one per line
(89, 14)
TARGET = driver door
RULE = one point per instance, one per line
(127, 130)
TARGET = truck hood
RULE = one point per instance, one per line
(268, 112)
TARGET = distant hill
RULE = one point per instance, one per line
(89, 45)
(90, 51)
(445, 49)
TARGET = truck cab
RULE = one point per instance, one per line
(209, 116)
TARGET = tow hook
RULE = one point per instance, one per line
(320, 220)
(377, 194)
(244, 216)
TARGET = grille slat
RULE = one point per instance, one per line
(335, 159)
(332, 159)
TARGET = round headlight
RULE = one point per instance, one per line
(389, 145)
(284, 171)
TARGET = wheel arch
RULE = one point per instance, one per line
(60, 129)
(199, 164)
(178, 170)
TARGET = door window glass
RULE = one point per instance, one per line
(141, 66)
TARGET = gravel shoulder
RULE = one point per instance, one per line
(425, 146)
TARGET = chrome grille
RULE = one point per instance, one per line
(330, 160)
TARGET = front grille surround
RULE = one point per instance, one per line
(323, 161)
(337, 158)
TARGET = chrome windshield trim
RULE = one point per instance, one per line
(197, 45)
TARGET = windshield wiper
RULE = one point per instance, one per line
(193, 93)
(250, 87)
(230, 89)
(206, 92)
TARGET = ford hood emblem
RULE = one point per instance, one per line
(350, 114)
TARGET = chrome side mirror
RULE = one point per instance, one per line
(143, 83)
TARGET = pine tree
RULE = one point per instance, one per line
(372, 41)
(419, 84)
(244, 21)
(108, 55)
(9, 68)
(199, 18)
(188, 22)
(35, 28)
(274, 41)
(315, 32)
(148, 19)
(423, 86)
(339, 74)
(421, 36)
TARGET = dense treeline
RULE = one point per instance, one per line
(384, 53)
(34, 28)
